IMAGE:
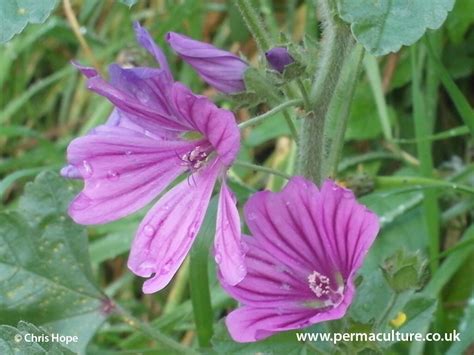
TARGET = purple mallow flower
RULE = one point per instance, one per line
(130, 160)
(221, 69)
(306, 247)
(278, 58)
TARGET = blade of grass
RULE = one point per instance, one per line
(17, 103)
(373, 73)
(460, 102)
(423, 129)
(199, 280)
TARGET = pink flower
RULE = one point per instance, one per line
(306, 247)
(130, 160)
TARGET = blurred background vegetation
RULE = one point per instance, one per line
(44, 104)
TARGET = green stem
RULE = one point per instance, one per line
(383, 320)
(254, 24)
(153, 333)
(291, 125)
(199, 283)
(337, 40)
(255, 120)
(339, 110)
(304, 93)
(262, 168)
(382, 182)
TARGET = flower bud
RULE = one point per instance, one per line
(221, 69)
(278, 58)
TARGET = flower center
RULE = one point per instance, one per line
(196, 158)
(321, 286)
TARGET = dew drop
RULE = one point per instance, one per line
(285, 286)
(143, 97)
(148, 230)
(128, 153)
(112, 175)
(87, 169)
(218, 258)
(81, 202)
(252, 216)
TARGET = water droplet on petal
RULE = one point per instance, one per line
(81, 202)
(87, 169)
(142, 96)
(128, 152)
(167, 267)
(252, 216)
(244, 246)
(148, 230)
(218, 258)
(285, 286)
(112, 175)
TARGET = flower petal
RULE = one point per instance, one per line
(349, 227)
(284, 226)
(217, 125)
(221, 69)
(324, 231)
(269, 282)
(229, 251)
(123, 170)
(168, 230)
(279, 58)
(145, 39)
(248, 324)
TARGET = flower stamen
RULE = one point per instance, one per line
(195, 159)
(321, 286)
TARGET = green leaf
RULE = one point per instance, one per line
(16, 14)
(48, 195)
(271, 128)
(466, 330)
(419, 311)
(12, 341)
(364, 122)
(460, 19)
(45, 267)
(383, 26)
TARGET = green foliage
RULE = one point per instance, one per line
(46, 277)
(403, 271)
(12, 341)
(384, 26)
(44, 264)
(15, 15)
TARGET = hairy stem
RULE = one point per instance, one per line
(256, 120)
(335, 47)
(262, 169)
(338, 114)
(254, 24)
